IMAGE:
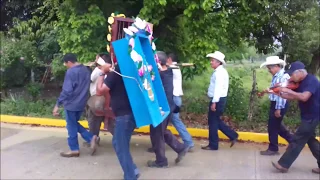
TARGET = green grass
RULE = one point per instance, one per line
(199, 85)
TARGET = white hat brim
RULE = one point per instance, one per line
(211, 55)
(280, 61)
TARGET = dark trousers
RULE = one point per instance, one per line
(276, 127)
(159, 136)
(215, 124)
(94, 122)
(305, 134)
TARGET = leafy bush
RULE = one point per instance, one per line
(34, 89)
(237, 100)
(20, 107)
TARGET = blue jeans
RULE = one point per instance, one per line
(178, 124)
(124, 127)
(74, 127)
(215, 124)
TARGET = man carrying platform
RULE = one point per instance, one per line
(160, 135)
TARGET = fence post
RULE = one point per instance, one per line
(252, 95)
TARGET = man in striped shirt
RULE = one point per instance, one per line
(278, 106)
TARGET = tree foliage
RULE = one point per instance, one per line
(82, 33)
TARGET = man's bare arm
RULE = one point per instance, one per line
(304, 96)
(101, 86)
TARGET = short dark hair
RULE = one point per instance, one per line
(162, 57)
(69, 57)
(173, 57)
(106, 58)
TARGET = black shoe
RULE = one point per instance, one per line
(233, 142)
(181, 155)
(208, 148)
(138, 175)
(153, 164)
(269, 153)
(150, 150)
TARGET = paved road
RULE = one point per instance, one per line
(33, 153)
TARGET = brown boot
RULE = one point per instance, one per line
(279, 167)
(93, 144)
(70, 154)
(316, 170)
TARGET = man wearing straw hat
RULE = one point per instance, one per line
(278, 106)
(217, 92)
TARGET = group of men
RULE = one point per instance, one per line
(106, 85)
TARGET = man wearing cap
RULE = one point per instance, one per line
(160, 135)
(217, 92)
(278, 106)
(74, 97)
(308, 95)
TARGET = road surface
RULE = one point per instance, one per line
(33, 153)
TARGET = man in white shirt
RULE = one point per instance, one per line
(99, 99)
(217, 92)
(177, 93)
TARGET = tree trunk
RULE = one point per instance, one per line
(314, 67)
(32, 76)
(252, 95)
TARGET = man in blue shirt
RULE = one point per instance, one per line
(278, 106)
(308, 95)
(74, 97)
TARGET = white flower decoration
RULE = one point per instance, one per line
(127, 31)
(135, 56)
(140, 24)
(133, 29)
(153, 46)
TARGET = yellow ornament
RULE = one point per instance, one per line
(108, 48)
(109, 37)
(112, 14)
(121, 15)
(110, 20)
(109, 27)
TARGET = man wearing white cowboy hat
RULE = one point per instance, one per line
(278, 106)
(217, 92)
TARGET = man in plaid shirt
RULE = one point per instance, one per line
(278, 106)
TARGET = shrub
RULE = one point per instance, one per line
(34, 89)
(237, 100)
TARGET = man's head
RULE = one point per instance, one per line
(216, 59)
(172, 58)
(105, 58)
(69, 60)
(274, 64)
(162, 58)
(274, 68)
(297, 71)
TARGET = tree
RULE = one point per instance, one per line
(295, 25)
(82, 31)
